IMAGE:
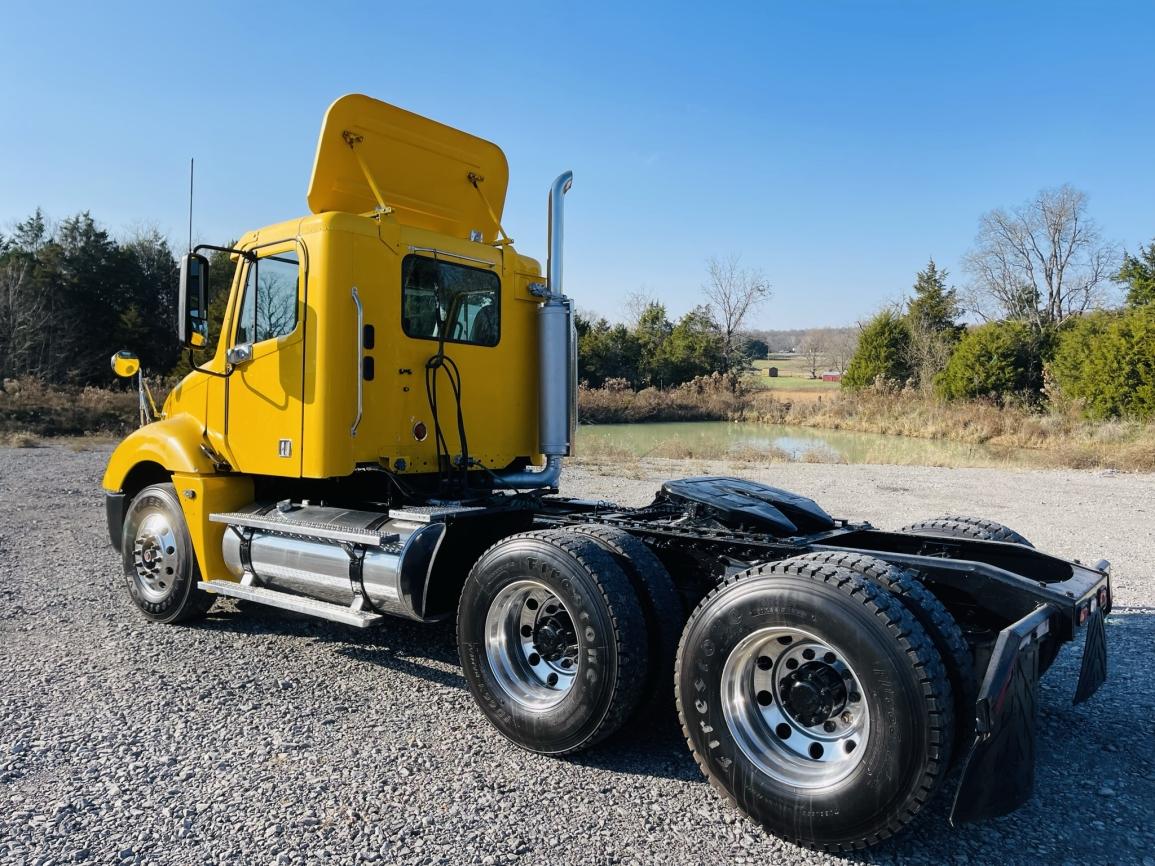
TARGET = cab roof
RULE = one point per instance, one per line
(431, 175)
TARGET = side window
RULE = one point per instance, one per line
(437, 294)
(269, 307)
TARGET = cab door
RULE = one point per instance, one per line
(267, 359)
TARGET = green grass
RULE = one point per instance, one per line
(793, 376)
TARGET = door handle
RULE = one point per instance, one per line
(360, 362)
(239, 354)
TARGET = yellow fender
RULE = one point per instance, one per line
(174, 444)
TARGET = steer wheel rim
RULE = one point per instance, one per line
(795, 707)
(531, 645)
(155, 557)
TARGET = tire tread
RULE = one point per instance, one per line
(962, 526)
(937, 621)
(914, 642)
(626, 621)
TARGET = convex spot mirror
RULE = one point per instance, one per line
(125, 364)
(193, 317)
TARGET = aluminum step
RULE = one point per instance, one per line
(297, 603)
(304, 529)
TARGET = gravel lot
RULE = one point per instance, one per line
(256, 737)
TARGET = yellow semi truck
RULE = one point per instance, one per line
(377, 428)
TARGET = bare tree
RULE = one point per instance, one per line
(1041, 262)
(812, 347)
(841, 344)
(22, 318)
(734, 292)
(636, 303)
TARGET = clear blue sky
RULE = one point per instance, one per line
(834, 145)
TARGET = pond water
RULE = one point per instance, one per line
(721, 439)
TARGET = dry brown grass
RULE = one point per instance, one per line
(28, 407)
(1061, 437)
(708, 398)
(19, 439)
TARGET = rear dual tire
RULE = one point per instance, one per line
(553, 641)
(766, 743)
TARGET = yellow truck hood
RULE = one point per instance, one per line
(432, 176)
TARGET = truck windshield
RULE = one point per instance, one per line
(465, 300)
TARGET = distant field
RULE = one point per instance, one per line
(793, 376)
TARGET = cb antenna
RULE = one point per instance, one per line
(191, 169)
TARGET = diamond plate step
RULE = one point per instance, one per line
(297, 603)
(305, 529)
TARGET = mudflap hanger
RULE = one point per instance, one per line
(999, 771)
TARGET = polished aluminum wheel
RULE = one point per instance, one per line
(154, 556)
(531, 644)
(795, 707)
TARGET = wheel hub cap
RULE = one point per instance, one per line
(531, 644)
(813, 693)
(154, 556)
(795, 707)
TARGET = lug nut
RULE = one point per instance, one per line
(828, 727)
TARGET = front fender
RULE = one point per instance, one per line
(172, 443)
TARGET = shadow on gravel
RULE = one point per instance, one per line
(405, 647)
(1094, 783)
(1095, 774)
(655, 748)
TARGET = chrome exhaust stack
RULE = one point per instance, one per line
(557, 361)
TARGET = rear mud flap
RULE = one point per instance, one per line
(1094, 670)
(999, 772)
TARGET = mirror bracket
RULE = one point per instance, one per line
(239, 354)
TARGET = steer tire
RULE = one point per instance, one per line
(160, 564)
(661, 606)
(869, 789)
(958, 526)
(933, 616)
(586, 630)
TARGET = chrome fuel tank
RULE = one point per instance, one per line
(299, 554)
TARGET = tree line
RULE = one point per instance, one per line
(71, 295)
(651, 350)
(1048, 332)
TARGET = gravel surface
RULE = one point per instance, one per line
(255, 737)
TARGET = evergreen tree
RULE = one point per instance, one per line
(695, 348)
(606, 352)
(652, 331)
(934, 308)
(1138, 273)
(931, 316)
(883, 352)
(996, 360)
(1106, 361)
